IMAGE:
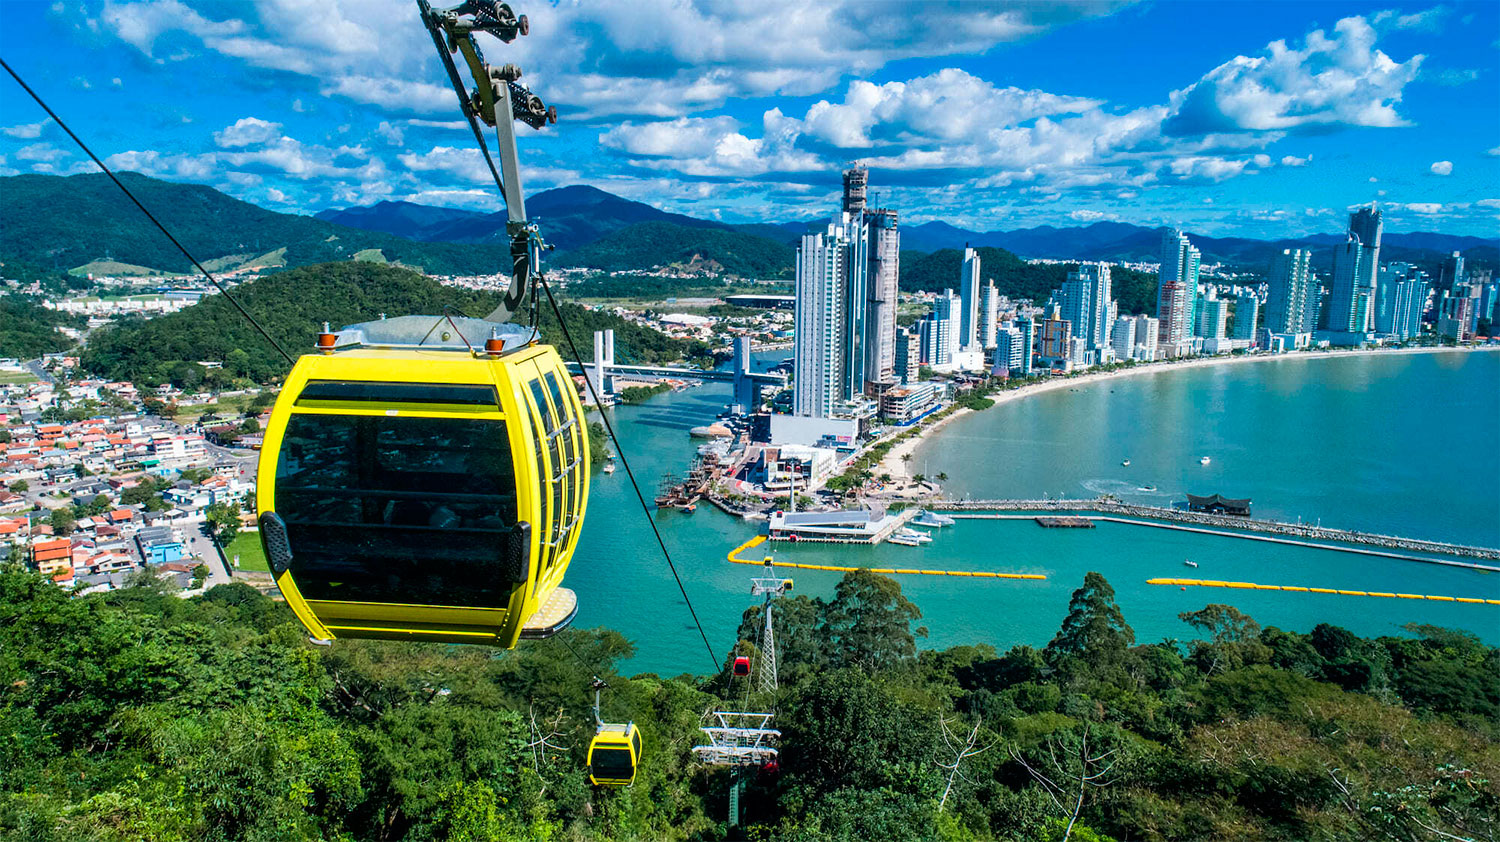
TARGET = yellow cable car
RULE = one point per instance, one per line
(414, 487)
(614, 754)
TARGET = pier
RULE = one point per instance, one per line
(1389, 546)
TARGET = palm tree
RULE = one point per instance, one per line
(906, 457)
(942, 477)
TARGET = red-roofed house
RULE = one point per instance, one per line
(52, 557)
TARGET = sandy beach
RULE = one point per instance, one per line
(894, 465)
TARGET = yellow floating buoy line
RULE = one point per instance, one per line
(1212, 583)
(977, 574)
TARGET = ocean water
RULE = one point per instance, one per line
(1401, 444)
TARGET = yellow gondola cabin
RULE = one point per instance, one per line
(614, 754)
(414, 487)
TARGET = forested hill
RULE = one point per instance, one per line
(57, 223)
(647, 245)
(137, 715)
(1014, 277)
(293, 304)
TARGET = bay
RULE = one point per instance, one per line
(1395, 443)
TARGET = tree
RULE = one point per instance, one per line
(224, 520)
(1235, 638)
(20, 486)
(62, 520)
(200, 575)
(869, 622)
(1094, 632)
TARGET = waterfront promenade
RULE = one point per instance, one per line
(1389, 546)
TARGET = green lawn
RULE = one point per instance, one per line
(10, 378)
(247, 546)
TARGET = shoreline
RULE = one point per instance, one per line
(897, 468)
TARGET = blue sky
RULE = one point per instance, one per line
(1250, 119)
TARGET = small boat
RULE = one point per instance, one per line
(1126, 463)
(609, 466)
(925, 518)
(904, 540)
(1146, 488)
(913, 535)
(1203, 461)
(690, 508)
(1190, 563)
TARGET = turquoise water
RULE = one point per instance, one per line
(1405, 444)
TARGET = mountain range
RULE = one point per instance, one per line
(82, 223)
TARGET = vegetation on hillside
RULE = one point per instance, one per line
(56, 223)
(648, 245)
(137, 715)
(1014, 277)
(28, 330)
(292, 306)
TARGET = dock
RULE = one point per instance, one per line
(1301, 534)
(1064, 522)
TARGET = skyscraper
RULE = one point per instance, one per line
(855, 305)
(1246, 314)
(1451, 272)
(989, 310)
(968, 292)
(1122, 338)
(908, 354)
(1286, 294)
(1366, 224)
(1177, 288)
(1085, 302)
(880, 311)
(819, 319)
(1348, 302)
(1212, 316)
(945, 327)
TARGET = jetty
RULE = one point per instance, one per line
(1110, 510)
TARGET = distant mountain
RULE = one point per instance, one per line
(404, 219)
(569, 217)
(63, 223)
(1123, 241)
(650, 244)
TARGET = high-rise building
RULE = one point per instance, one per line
(1456, 314)
(1010, 349)
(1122, 338)
(946, 332)
(1177, 288)
(1451, 272)
(1350, 307)
(1085, 301)
(1246, 314)
(1055, 344)
(1287, 292)
(1366, 224)
(908, 354)
(968, 292)
(819, 315)
(989, 311)
(1409, 304)
(880, 310)
(1147, 333)
(846, 307)
(1212, 316)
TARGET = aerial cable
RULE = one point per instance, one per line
(620, 447)
(149, 215)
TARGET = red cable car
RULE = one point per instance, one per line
(741, 665)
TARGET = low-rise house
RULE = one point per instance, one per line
(160, 545)
(51, 557)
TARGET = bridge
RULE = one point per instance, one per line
(747, 383)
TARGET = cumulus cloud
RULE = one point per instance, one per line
(44, 152)
(1294, 161)
(25, 131)
(1332, 79)
(247, 131)
(1442, 168)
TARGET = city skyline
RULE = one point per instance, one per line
(993, 130)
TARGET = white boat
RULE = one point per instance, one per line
(1203, 461)
(1126, 463)
(1190, 563)
(904, 540)
(925, 518)
(609, 466)
(913, 535)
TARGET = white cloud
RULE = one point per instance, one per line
(1493, 153)
(1427, 20)
(392, 134)
(1488, 203)
(25, 131)
(1332, 80)
(1442, 168)
(44, 152)
(1294, 161)
(247, 131)
(1085, 215)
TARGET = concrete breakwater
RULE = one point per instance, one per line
(1305, 532)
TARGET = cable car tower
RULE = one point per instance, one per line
(745, 739)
